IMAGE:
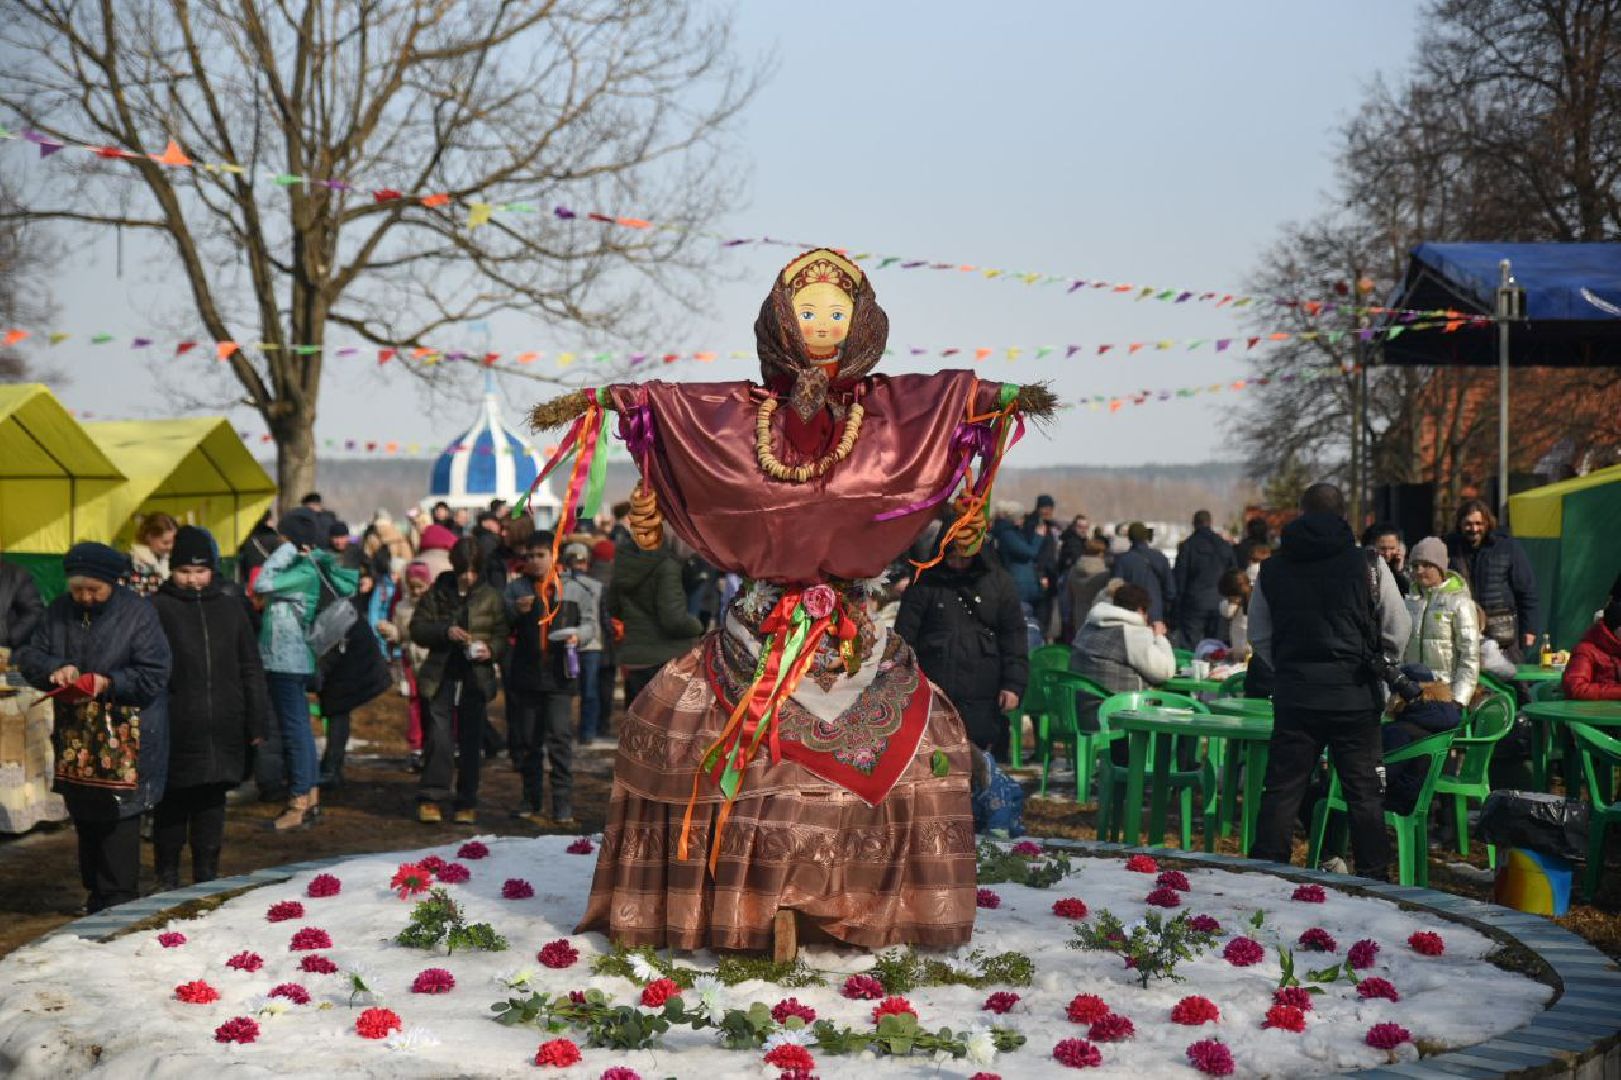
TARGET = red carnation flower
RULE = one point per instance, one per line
(238, 1029)
(455, 874)
(1163, 897)
(323, 885)
(863, 987)
(377, 1023)
(987, 899)
(310, 937)
(1426, 943)
(316, 964)
(1000, 1002)
(986, 1076)
(1111, 1028)
(473, 849)
(620, 1072)
(1070, 907)
(1387, 1036)
(892, 1006)
(516, 889)
(1086, 1009)
(790, 1056)
(1310, 894)
(292, 992)
(1211, 1057)
(172, 940)
(433, 981)
(246, 961)
(1077, 1054)
(432, 864)
(657, 992)
(1296, 997)
(1173, 879)
(1375, 987)
(196, 992)
(1362, 953)
(1317, 939)
(1205, 924)
(1027, 849)
(558, 954)
(581, 846)
(1243, 951)
(1195, 1010)
(559, 1052)
(782, 1010)
(287, 909)
(1285, 1017)
(1142, 864)
(411, 879)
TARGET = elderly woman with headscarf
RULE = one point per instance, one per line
(102, 648)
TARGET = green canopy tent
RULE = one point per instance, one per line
(195, 469)
(1568, 530)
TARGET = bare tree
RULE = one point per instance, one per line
(494, 107)
(25, 301)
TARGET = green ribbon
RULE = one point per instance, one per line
(799, 629)
(597, 478)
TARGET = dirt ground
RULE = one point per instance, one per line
(374, 811)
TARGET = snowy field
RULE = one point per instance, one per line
(68, 1005)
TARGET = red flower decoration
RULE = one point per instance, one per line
(1205, 924)
(1317, 939)
(1375, 987)
(1426, 943)
(1286, 1018)
(1173, 879)
(1077, 1054)
(1000, 1002)
(1195, 1010)
(514, 888)
(819, 601)
(455, 874)
(1387, 1036)
(1111, 1028)
(238, 1029)
(1296, 997)
(657, 992)
(1243, 951)
(1163, 897)
(863, 987)
(196, 992)
(1310, 894)
(790, 1056)
(1070, 907)
(1086, 1009)
(892, 1006)
(1362, 953)
(1211, 1057)
(987, 899)
(433, 981)
(782, 1010)
(558, 954)
(310, 937)
(323, 885)
(559, 1052)
(1142, 864)
(287, 909)
(292, 992)
(246, 961)
(411, 879)
(316, 964)
(581, 846)
(1027, 849)
(172, 940)
(432, 864)
(986, 1076)
(377, 1023)
(473, 849)
(620, 1072)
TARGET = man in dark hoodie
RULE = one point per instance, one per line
(1321, 614)
(647, 596)
(1144, 565)
(1200, 561)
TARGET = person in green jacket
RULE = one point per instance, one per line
(646, 595)
(462, 622)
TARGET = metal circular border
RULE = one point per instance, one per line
(1579, 1035)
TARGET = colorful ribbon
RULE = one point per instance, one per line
(587, 442)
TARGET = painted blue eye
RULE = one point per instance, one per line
(807, 315)
(838, 316)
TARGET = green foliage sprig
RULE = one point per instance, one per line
(1152, 948)
(730, 969)
(997, 864)
(439, 919)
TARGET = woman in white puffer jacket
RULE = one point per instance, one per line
(1446, 632)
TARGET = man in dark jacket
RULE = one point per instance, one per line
(217, 708)
(1320, 616)
(646, 595)
(351, 675)
(21, 609)
(1499, 576)
(1200, 561)
(1040, 530)
(963, 619)
(540, 686)
(104, 632)
(1146, 566)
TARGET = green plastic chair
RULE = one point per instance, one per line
(1543, 733)
(1034, 704)
(1412, 830)
(1184, 658)
(1060, 723)
(1112, 777)
(1597, 750)
(1232, 685)
(1496, 685)
(1471, 780)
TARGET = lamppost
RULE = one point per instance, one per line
(1510, 309)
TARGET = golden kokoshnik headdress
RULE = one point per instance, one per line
(782, 350)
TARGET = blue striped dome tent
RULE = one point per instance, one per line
(490, 461)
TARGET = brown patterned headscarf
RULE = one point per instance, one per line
(782, 349)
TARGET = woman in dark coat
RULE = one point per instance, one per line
(351, 675)
(103, 631)
(217, 707)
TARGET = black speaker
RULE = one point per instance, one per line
(1410, 506)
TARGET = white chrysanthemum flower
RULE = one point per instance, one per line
(961, 965)
(706, 990)
(981, 1046)
(642, 969)
(261, 1005)
(790, 1037)
(412, 1038)
(517, 978)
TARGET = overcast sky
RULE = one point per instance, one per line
(1158, 144)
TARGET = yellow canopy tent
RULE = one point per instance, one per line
(194, 469)
(54, 479)
(1568, 532)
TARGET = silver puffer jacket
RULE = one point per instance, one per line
(1446, 635)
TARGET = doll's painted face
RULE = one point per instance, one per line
(823, 312)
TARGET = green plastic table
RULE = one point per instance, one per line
(1187, 684)
(1599, 714)
(1254, 707)
(1140, 727)
(1535, 673)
